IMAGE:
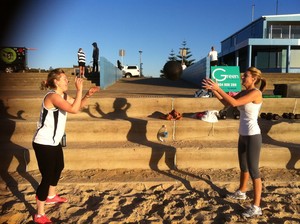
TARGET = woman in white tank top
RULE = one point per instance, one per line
(249, 102)
(51, 127)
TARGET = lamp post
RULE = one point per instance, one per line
(141, 69)
(183, 54)
(122, 54)
(253, 6)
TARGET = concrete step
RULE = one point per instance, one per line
(32, 81)
(125, 108)
(36, 87)
(121, 131)
(151, 155)
(140, 130)
(281, 78)
(42, 76)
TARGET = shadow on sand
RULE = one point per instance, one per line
(8, 152)
(137, 134)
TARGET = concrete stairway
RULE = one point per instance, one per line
(281, 78)
(31, 81)
(121, 132)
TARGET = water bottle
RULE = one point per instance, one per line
(162, 133)
(63, 141)
(291, 116)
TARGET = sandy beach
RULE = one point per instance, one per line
(149, 196)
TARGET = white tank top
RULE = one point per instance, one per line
(248, 119)
(51, 125)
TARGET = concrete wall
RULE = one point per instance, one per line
(196, 72)
(109, 73)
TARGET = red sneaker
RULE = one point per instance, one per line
(56, 199)
(41, 219)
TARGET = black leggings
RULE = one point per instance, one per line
(51, 163)
(249, 152)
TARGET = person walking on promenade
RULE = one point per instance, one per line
(81, 62)
(50, 130)
(95, 57)
(248, 102)
(213, 55)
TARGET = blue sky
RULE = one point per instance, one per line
(57, 28)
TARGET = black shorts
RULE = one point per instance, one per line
(213, 63)
(81, 64)
(249, 148)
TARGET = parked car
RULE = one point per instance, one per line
(131, 71)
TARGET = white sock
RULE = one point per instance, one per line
(256, 207)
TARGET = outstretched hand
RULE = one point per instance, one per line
(93, 90)
(210, 84)
(79, 83)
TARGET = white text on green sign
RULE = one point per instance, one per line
(227, 77)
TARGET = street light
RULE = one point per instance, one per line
(141, 69)
(122, 54)
(183, 54)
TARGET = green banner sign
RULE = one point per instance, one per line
(228, 77)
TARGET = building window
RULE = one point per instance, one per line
(284, 31)
(269, 60)
(295, 32)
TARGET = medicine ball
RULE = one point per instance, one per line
(172, 70)
(291, 116)
(263, 115)
(269, 116)
(236, 113)
(276, 116)
(222, 114)
(285, 115)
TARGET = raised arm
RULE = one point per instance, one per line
(244, 97)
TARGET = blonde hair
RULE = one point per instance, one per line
(53, 75)
(256, 73)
